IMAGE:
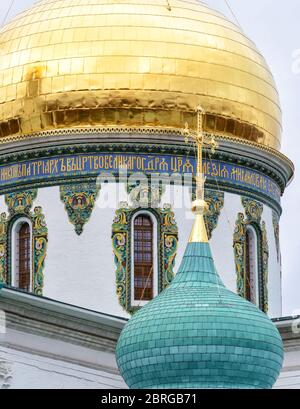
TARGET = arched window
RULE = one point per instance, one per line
(21, 255)
(143, 258)
(157, 229)
(251, 266)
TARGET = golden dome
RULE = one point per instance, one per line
(78, 64)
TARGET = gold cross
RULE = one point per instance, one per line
(201, 141)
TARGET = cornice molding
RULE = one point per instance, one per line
(51, 319)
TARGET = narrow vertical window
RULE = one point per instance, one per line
(251, 267)
(23, 257)
(143, 258)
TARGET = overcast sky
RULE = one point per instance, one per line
(275, 28)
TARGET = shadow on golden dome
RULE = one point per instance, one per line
(81, 64)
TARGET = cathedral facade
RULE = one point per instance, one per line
(96, 177)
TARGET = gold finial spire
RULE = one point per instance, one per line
(199, 207)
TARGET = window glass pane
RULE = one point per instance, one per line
(24, 257)
(143, 258)
(251, 266)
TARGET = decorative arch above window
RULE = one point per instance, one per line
(145, 193)
(250, 236)
(167, 241)
(79, 200)
(19, 207)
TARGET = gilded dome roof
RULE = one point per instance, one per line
(133, 63)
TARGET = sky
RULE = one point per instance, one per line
(274, 26)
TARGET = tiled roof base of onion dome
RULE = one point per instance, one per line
(198, 334)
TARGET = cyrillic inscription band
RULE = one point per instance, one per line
(82, 164)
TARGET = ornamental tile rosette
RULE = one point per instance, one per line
(20, 202)
(253, 209)
(79, 200)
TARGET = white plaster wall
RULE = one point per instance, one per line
(290, 375)
(23, 370)
(80, 270)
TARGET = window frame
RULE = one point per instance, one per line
(257, 279)
(134, 302)
(15, 229)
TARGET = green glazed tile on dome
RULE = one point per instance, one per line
(198, 334)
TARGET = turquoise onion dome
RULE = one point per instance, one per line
(198, 334)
